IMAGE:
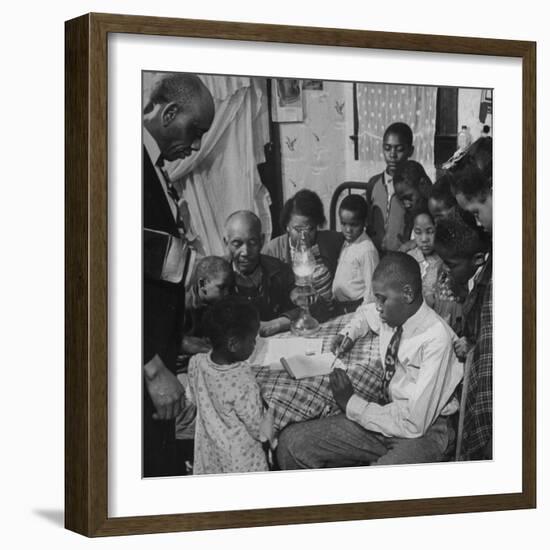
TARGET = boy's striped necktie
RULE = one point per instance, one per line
(389, 364)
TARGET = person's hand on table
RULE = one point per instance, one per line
(462, 346)
(341, 387)
(341, 344)
(192, 345)
(166, 392)
(269, 328)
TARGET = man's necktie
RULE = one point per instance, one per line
(172, 191)
(389, 365)
(179, 218)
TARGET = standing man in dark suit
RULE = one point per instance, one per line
(179, 111)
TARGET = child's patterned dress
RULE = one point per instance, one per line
(229, 412)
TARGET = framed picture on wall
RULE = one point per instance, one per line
(179, 134)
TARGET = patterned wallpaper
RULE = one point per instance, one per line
(314, 151)
(318, 153)
(379, 105)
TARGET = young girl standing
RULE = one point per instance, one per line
(227, 396)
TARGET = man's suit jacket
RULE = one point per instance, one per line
(163, 302)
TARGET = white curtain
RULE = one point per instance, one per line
(378, 105)
(222, 176)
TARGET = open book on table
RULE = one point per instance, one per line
(300, 357)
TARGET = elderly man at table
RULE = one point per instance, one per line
(264, 280)
(410, 423)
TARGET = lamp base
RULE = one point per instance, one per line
(305, 324)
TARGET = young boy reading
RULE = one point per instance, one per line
(352, 283)
(409, 423)
(386, 216)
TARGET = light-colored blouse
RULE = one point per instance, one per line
(353, 277)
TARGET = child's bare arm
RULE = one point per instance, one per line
(248, 405)
(269, 328)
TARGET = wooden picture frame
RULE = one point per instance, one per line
(86, 280)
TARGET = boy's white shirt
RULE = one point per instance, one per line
(426, 374)
(347, 286)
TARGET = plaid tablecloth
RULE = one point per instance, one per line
(299, 400)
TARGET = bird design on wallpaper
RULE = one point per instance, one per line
(339, 107)
(291, 143)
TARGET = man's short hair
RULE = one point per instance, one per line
(231, 317)
(304, 203)
(356, 204)
(402, 130)
(454, 238)
(441, 191)
(211, 267)
(248, 215)
(180, 88)
(413, 173)
(472, 183)
(399, 269)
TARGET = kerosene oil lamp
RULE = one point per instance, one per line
(303, 265)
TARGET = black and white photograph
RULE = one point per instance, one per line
(252, 257)
(317, 286)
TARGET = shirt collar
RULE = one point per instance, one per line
(360, 239)
(151, 146)
(414, 321)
